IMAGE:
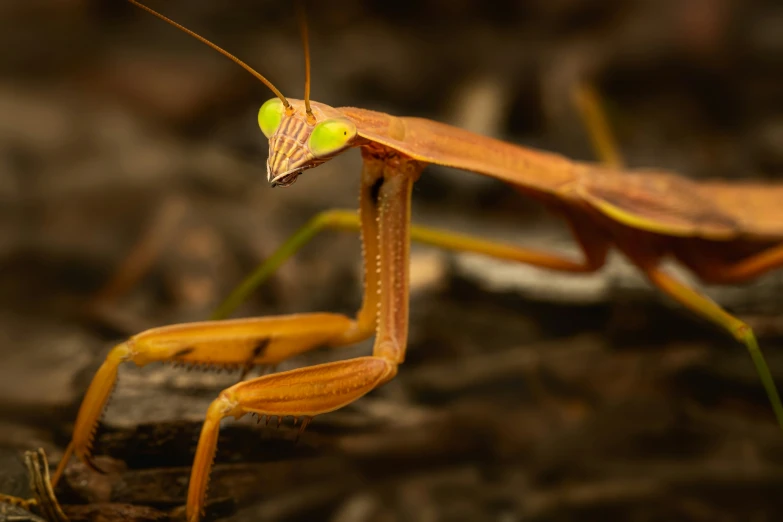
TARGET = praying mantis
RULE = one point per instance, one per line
(709, 227)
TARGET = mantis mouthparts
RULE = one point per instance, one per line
(285, 179)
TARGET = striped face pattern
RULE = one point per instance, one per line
(289, 153)
(297, 143)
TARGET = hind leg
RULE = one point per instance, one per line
(737, 271)
(711, 311)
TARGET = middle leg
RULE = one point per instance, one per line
(593, 245)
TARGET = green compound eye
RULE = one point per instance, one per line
(269, 116)
(331, 136)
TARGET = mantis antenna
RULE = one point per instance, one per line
(231, 56)
(306, 44)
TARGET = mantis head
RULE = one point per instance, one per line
(301, 136)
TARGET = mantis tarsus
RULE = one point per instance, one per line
(647, 215)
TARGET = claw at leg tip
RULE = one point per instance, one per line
(92, 465)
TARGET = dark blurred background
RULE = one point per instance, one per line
(526, 396)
